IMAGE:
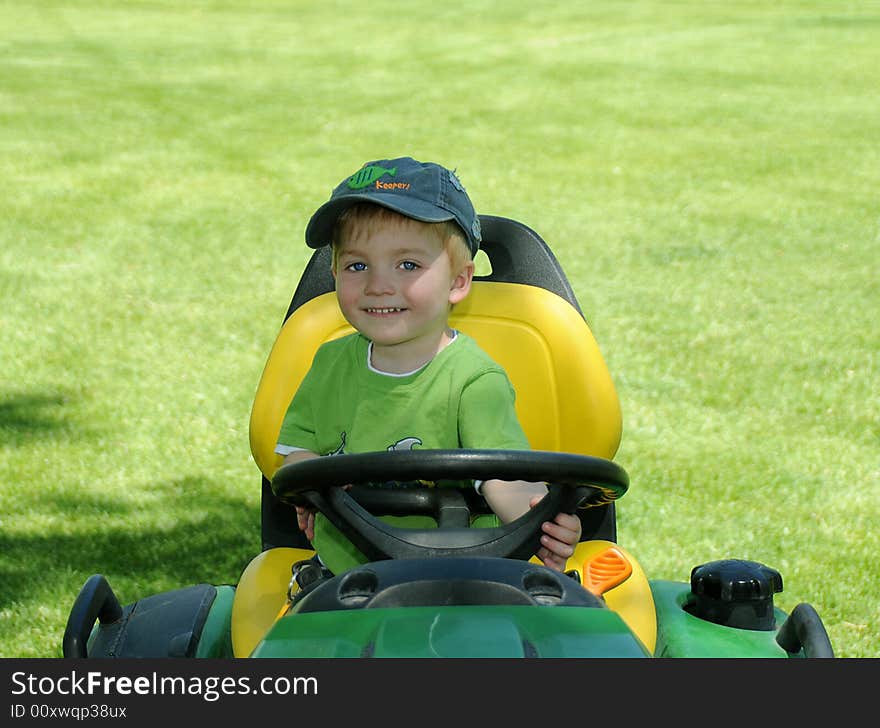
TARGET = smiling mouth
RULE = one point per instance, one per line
(384, 310)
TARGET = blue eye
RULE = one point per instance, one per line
(356, 266)
(409, 265)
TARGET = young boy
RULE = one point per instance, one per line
(404, 234)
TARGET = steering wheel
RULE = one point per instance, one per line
(573, 481)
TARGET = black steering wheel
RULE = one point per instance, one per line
(573, 481)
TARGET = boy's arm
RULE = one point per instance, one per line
(510, 499)
(487, 418)
(298, 455)
(305, 517)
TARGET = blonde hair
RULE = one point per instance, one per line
(365, 218)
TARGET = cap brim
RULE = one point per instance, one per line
(319, 231)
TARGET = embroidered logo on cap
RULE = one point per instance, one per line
(476, 229)
(368, 175)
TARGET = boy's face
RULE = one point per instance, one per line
(395, 285)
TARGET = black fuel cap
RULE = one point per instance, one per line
(735, 593)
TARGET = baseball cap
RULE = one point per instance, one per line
(423, 191)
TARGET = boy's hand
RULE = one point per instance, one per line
(305, 519)
(561, 535)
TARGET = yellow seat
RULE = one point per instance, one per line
(526, 317)
(565, 398)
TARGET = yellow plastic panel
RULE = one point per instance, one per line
(566, 400)
(260, 594)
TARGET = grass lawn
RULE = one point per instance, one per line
(707, 174)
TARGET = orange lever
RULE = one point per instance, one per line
(605, 570)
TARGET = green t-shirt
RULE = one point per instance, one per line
(460, 399)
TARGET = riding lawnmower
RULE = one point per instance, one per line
(455, 590)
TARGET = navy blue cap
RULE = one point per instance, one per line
(423, 191)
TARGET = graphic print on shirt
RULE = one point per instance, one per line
(407, 443)
(402, 445)
(341, 449)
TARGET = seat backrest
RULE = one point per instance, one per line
(523, 314)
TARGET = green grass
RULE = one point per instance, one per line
(707, 174)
